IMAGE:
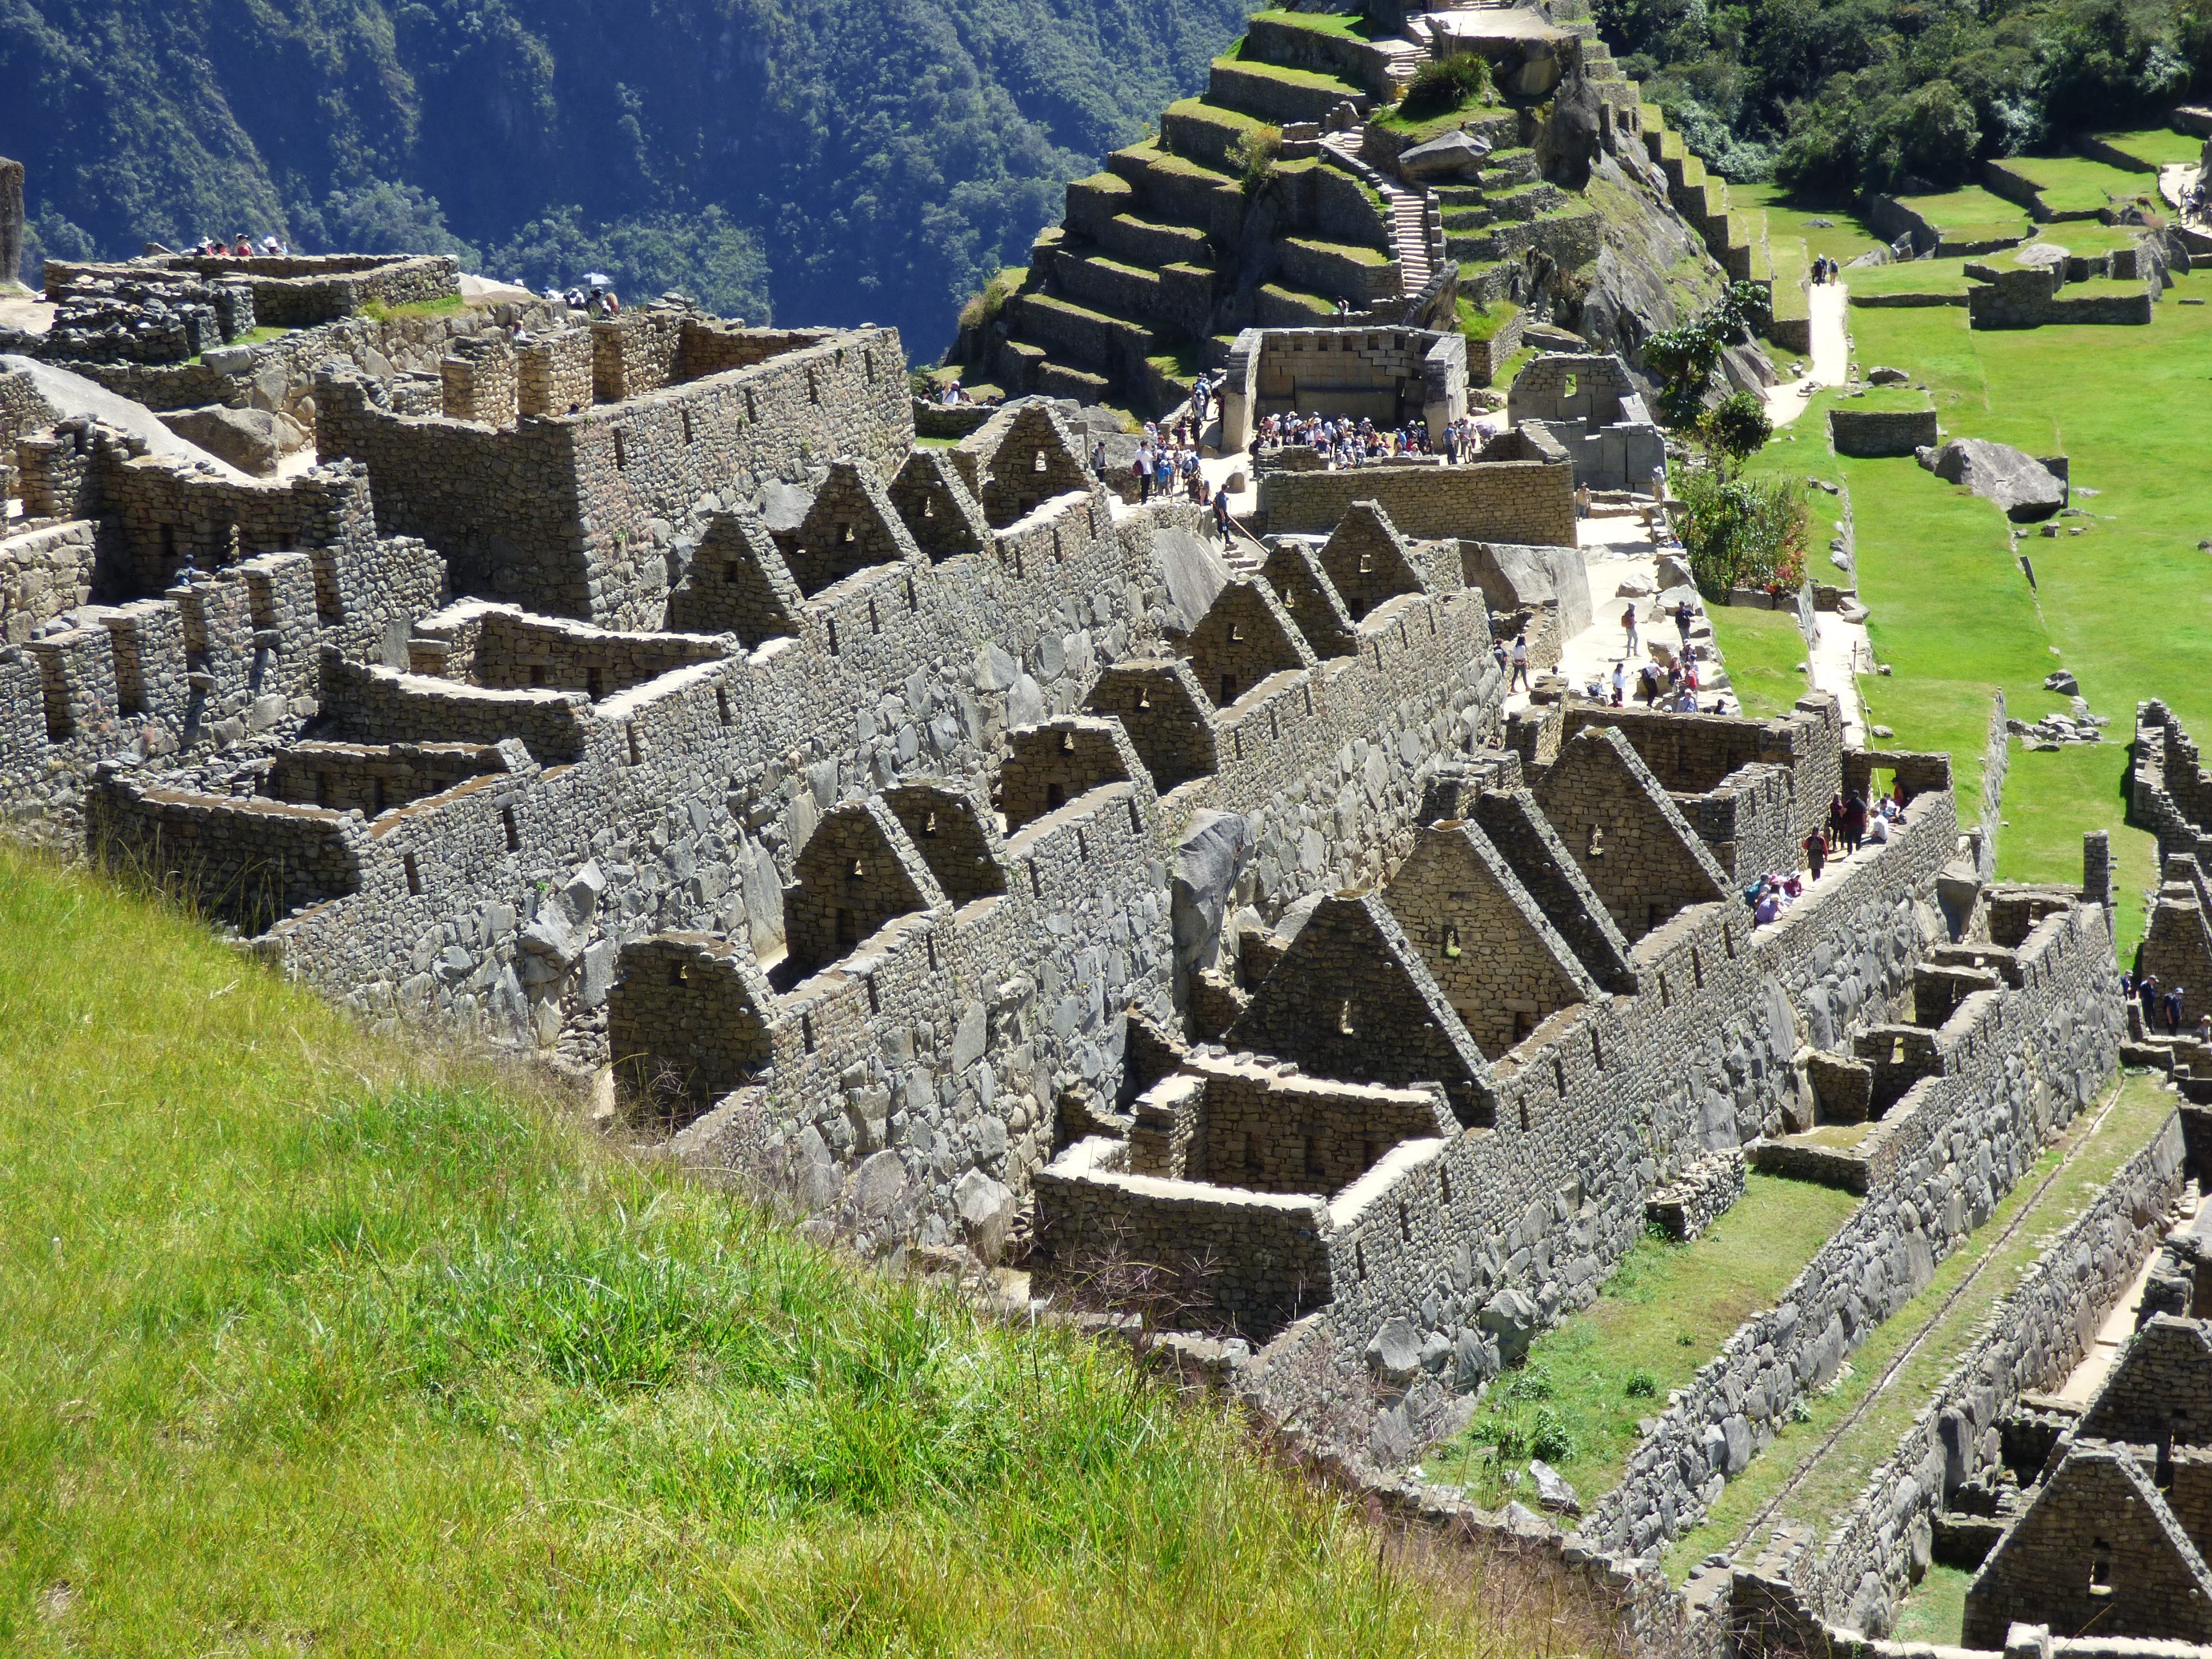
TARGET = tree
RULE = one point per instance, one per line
(1736, 427)
(1683, 358)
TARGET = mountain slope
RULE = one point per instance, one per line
(833, 159)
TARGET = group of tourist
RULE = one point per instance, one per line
(1342, 442)
(2163, 1004)
(1774, 893)
(598, 301)
(1825, 269)
(241, 247)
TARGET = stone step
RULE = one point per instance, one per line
(1077, 334)
(1064, 381)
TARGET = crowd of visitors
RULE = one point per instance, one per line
(1343, 441)
(1853, 823)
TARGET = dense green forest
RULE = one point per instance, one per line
(1835, 96)
(822, 160)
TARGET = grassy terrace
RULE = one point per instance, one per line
(1761, 650)
(2071, 184)
(1971, 215)
(1577, 1401)
(2156, 147)
(1350, 25)
(1943, 1335)
(1241, 57)
(320, 1342)
(1820, 230)
(1945, 277)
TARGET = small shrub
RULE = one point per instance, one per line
(1737, 426)
(984, 308)
(1254, 155)
(1548, 1437)
(1742, 532)
(1642, 1385)
(1532, 1383)
(1444, 84)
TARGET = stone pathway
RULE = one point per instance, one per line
(1831, 363)
(2088, 1377)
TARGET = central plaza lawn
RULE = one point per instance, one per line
(2126, 604)
(1577, 1400)
(2157, 147)
(1972, 214)
(2071, 184)
(1761, 650)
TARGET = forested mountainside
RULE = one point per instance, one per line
(1833, 96)
(843, 160)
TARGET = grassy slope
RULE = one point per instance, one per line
(2157, 146)
(2071, 184)
(1842, 1472)
(315, 1342)
(1972, 213)
(1659, 1318)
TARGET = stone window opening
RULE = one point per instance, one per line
(857, 874)
(1366, 564)
(1653, 915)
(1559, 1075)
(1143, 699)
(1136, 823)
(621, 454)
(807, 1031)
(1067, 743)
(929, 944)
(749, 406)
(732, 571)
(1696, 968)
(929, 826)
(594, 682)
(1596, 842)
(874, 627)
(1274, 723)
(538, 673)
(1037, 461)
(1358, 1259)
(1597, 1051)
(1451, 942)
(1237, 633)
(1524, 1023)
(813, 387)
(514, 836)
(1343, 1026)
(1054, 797)
(722, 704)
(376, 798)
(686, 414)
(414, 875)
(636, 757)
(1037, 881)
(1310, 698)
(875, 1003)
(322, 789)
(1406, 1223)
(679, 973)
(1082, 845)
(912, 602)
(2100, 1568)
(1443, 1182)
(1228, 690)
(868, 366)
(1524, 1117)
(831, 627)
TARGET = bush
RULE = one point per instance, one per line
(1642, 1385)
(1737, 426)
(1741, 532)
(984, 307)
(1444, 84)
(1254, 155)
(1682, 359)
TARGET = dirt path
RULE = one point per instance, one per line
(1831, 363)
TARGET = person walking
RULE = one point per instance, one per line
(1520, 663)
(1683, 616)
(2173, 1010)
(1855, 812)
(1628, 626)
(1098, 458)
(1816, 854)
(1142, 467)
(1835, 822)
(1222, 522)
(1582, 500)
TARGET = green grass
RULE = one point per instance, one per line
(1663, 1313)
(260, 334)
(2128, 605)
(1973, 214)
(381, 311)
(2073, 184)
(318, 1342)
(1946, 275)
(1842, 239)
(1827, 1492)
(2156, 147)
(1935, 1609)
(1351, 26)
(1761, 650)
(1240, 56)
(2085, 237)
(1480, 322)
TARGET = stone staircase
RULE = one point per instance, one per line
(1736, 239)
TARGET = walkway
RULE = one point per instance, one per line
(1831, 364)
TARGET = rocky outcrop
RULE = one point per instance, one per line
(2025, 488)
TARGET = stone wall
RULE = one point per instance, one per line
(1490, 500)
(292, 291)
(2169, 791)
(243, 862)
(1882, 431)
(1388, 374)
(2023, 1062)
(43, 572)
(596, 515)
(2032, 1343)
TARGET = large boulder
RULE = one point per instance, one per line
(2025, 488)
(1207, 862)
(251, 439)
(1449, 156)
